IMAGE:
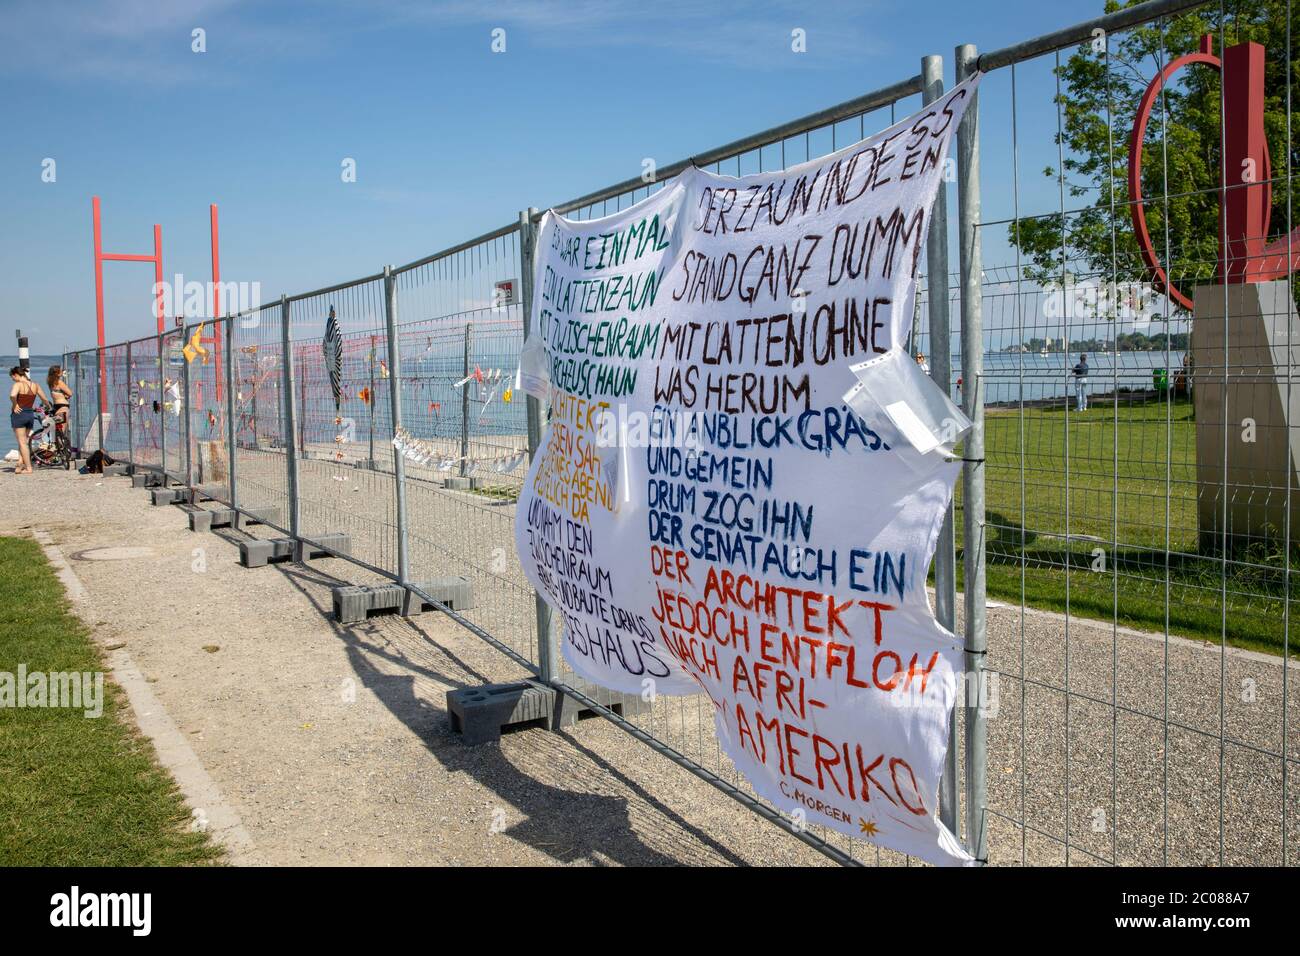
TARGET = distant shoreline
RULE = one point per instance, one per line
(9, 361)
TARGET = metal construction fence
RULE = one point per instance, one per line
(1132, 665)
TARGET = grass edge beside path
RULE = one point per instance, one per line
(76, 790)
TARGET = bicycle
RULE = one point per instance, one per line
(50, 446)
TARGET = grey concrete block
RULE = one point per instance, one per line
(259, 553)
(256, 554)
(353, 603)
(167, 496)
(205, 493)
(324, 546)
(116, 469)
(146, 479)
(570, 710)
(200, 519)
(480, 714)
(454, 591)
(460, 484)
(265, 514)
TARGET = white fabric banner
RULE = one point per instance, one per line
(743, 476)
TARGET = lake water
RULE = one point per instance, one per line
(1011, 376)
(1043, 377)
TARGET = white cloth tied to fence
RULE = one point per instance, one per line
(742, 482)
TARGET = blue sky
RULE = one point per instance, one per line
(449, 138)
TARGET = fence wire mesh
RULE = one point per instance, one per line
(338, 434)
(117, 413)
(459, 335)
(206, 403)
(1136, 527)
(145, 403)
(260, 459)
(172, 405)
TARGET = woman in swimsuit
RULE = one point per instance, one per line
(60, 393)
(22, 397)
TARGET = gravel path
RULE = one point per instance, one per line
(333, 744)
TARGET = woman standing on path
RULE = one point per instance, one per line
(22, 396)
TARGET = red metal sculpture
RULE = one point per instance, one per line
(1245, 190)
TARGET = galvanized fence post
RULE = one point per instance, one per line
(945, 561)
(162, 396)
(464, 403)
(74, 413)
(546, 658)
(973, 541)
(130, 427)
(187, 409)
(102, 385)
(389, 305)
(395, 410)
(290, 429)
(231, 410)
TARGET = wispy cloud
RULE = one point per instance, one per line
(144, 41)
(751, 34)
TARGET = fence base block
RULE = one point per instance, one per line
(354, 603)
(207, 519)
(268, 514)
(168, 496)
(117, 469)
(146, 479)
(197, 493)
(323, 546)
(480, 714)
(256, 554)
(367, 464)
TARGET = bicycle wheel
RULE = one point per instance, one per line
(64, 449)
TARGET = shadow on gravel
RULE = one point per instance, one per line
(569, 824)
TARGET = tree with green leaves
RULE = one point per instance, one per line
(1101, 87)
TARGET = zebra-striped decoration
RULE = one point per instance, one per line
(333, 349)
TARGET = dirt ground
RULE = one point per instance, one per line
(332, 743)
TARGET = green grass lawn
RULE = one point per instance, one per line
(76, 791)
(1131, 493)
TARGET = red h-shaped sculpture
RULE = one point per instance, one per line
(1246, 191)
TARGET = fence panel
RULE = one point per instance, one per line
(146, 403)
(459, 336)
(683, 727)
(1145, 715)
(173, 404)
(338, 437)
(117, 412)
(85, 396)
(261, 465)
(206, 404)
